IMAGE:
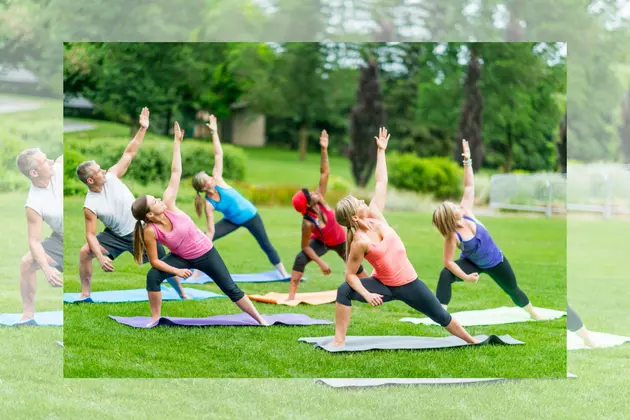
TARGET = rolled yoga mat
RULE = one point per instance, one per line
(496, 316)
(137, 295)
(42, 319)
(241, 319)
(315, 298)
(392, 342)
(200, 277)
(574, 342)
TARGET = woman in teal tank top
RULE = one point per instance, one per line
(237, 210)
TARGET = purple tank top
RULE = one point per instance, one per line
(480, 249)
(186, 240)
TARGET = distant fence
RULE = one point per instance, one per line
(593, 188)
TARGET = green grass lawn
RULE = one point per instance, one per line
(96, 346)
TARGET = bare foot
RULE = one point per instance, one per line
(264, 323)
(338, 343)
(185, 297)
(26, 317)
(83, 297)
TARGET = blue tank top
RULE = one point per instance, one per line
(233, 205)
(480, 249)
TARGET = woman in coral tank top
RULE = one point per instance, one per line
(370, 237)
(320, 230)
(161, 221)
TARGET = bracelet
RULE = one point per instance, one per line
(467, 162)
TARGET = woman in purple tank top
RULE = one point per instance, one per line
(479, 253)
(161, 221)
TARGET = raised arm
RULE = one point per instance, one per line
(468, 200)
(377, 205)
(170, 194)
(324, 168)
(217, 171)
(120, 168)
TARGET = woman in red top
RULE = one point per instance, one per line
(370, 237)
(320, 230)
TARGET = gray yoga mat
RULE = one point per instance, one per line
(372, 382)
(390, 342)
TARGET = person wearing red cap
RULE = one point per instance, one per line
(320, 230)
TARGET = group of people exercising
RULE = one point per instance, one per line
(354, 229)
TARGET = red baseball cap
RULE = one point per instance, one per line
(300, 203)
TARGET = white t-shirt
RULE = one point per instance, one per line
(48, 202)
(113, 205)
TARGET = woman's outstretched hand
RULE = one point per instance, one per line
(212, 124)
(466, 149)
(382, 139)
(179, 133)
(323, 139)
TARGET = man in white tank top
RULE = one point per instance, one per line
(44, 203)
(109, 200)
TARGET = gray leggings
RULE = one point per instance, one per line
(415, 294)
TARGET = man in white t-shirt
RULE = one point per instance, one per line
(109, 200)
(44, 203)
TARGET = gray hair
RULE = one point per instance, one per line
(25, 161)
(84, 172)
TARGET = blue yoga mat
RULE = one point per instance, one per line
(42, 319)
(200, 277)
(136, 295)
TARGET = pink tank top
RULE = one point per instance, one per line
(389, 259)
(186, 240)
(334, 233)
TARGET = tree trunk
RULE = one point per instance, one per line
(624, 128)
(562, 146)
(514, 32)
(509, 155)
(470, 121)
(367, 116)
(303, 136)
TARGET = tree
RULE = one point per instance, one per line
(472, 110)
(367, 116)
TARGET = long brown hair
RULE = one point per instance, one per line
(345, 209)
(444, 219)
(139, 209)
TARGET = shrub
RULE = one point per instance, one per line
(153, 161)
(436, 175)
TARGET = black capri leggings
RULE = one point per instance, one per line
(502, 274)
(320, 249)
(256, 227)
(210, 263)
(415, 294)
(574, 322)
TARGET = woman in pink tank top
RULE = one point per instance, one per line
(320, 230)
(161, 221)
(394, 278)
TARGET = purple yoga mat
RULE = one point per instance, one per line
(227, 320)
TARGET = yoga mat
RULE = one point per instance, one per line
(503, 315)
(226, 320)
(574, 342)
(60, 343)
(42, 319)
(136, 295)
(409, 342)
(200, 277)
(362, 383)
(315, 298)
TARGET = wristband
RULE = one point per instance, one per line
(467, 162)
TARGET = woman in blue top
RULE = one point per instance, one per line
(479, 253)
(237, 211)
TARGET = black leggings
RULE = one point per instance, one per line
(256, 227)
(502, 274)
(574, 322)
(210, 263)
(415, 294)
(301, 259)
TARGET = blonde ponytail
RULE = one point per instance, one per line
(198, 204)
(349, 239)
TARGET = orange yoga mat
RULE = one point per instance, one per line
(314, 298)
